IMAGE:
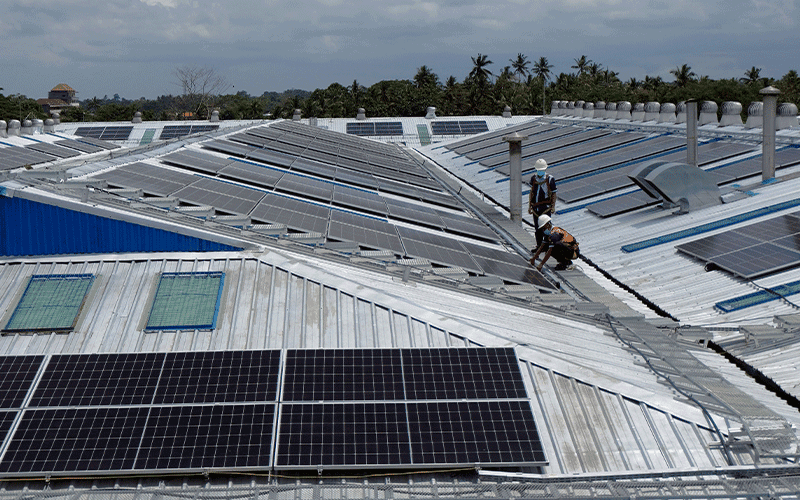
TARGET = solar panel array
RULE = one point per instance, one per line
(459, 127)
(54, 150)
(174, 131)
(82, 146)
(337, 202)
(106, 133)
(106, 414)
(12, 157)
(754, 250)
(382, 129)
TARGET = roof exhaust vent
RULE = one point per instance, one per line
(637, 115)
(755, 115)
(667, 113)
(611, 111)
(27, 128)
(214, 116)
(137, 117)
(13, 128)
(651, 111)
(680, 112)
(579, 107)
(49, 126)
(56, 117)
(677, 185)
(430, 113)
(361, 114)
(731, 114)
(708, 113)
(600, 109)
(3, 128)
(588, 109)
(507, 112)
(624, 110)
(787, 116)
(297, 114)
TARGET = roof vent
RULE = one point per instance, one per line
(49, 126)
(787, 116)
(677, 185)
(579, 107)
(588, 109)
(137, 117)
(731, 114)
(3, 127)
(638, 114)
(56, 117)
(430, 113)
(214, 116)
(651, 111)
(611, 111)
(600, 109)
(667, 113)
(554, 107)
(624, 110)
(708, 113)
(312, 121)
(38, 126)
(507, 112)
(361, 114)
(27, 128)
(13, 128)
(680, 112)
(297, 114)
(755, 115)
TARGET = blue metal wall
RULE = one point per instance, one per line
(31, 228)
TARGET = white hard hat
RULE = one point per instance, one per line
(540, 164)
(543, 220)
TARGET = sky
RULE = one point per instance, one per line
(134, 47)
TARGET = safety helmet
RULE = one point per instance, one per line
(543, 220)
(540, 165)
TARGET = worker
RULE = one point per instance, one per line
(558, 243)
(542, 197)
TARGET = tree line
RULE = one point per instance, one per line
(527, 87)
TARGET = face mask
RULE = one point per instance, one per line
(547, 232)
(540, 174)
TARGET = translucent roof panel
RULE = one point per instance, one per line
(186, 301)
(50, 303)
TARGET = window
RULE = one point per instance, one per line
(50, 303)
(186, 301)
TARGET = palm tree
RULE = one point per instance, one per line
(751, 75)
(683, 75)
(581, 64)
(479, 72)
(520, 65)
(542, 70)
(425, 78)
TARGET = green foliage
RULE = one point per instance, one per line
(19, 107)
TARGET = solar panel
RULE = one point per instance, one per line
(223, 196)
(149, 178)
(75, 440)
(343, 435)
(173, 131)
(99, 380)
(416, 213)
(52, 149)
(253, 174)
(343, 375)
(79, 146)
(219, 377)
(203, 437)
(50, 303)
(621, 204)
(467, 226)
(440, 255)
(514, 272)
(197, 160)
(92, 141)
(359, 199)
(14, 157)
(556, 146)
(486, 140)
(105, 133)
(186, 301)
(374, 128)
(474, 432)
(16, 376)
(753, 250)
(296, 214)
(457, 373)
(306, 186)
(229, 147)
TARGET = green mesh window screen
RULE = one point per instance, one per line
(50, 303)
(186, 301)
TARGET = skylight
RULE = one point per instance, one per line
(50, 303)
(186, 301)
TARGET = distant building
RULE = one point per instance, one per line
(60, 97)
